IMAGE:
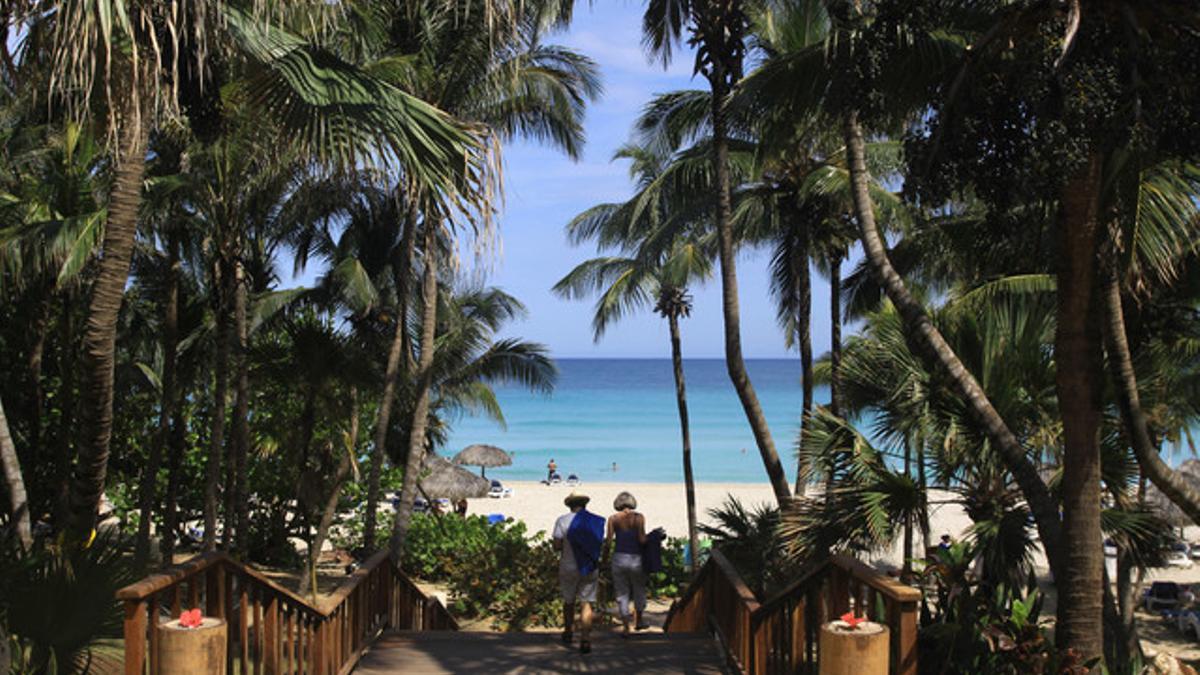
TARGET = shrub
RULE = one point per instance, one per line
(498, 570)
(672, 580)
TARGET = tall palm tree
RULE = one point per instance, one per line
(507, 85)
(658, 279)
(719, 30)
(14, 484)
(102, 47)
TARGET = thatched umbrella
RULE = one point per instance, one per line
(1190, 472)
(442, 480)
(483, 456)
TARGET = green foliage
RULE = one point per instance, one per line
(751, 540)
(58, 603)
(492, 570)
(670, 582)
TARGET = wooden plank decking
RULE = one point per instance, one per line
(495, 653)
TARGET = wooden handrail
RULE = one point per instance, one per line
(272, 628)
(890, 586)
(781, 634)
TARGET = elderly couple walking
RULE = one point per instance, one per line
(582, 537)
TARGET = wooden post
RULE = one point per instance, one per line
(860, 651)
(192, 650)
(135, 637)
(904, 618)
(270, 631)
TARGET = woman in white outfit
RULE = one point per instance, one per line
(628, 528)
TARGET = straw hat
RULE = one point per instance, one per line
(576, 499)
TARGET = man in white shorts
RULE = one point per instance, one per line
(575, 587)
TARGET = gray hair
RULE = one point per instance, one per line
(624, 501)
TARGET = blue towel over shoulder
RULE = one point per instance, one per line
(586, 536)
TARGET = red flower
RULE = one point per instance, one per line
(852, 621)
(190, 619)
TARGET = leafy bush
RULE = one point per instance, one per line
(58, 603)
(672, 580)
(750, 539)
(497, 570)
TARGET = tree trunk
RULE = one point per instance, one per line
(926, 535)
(240, 517)
(734, 362)
(937, 353)
(1079, 375)
(14, 482)
(220, 394)
(69, 403)
(330, 510)
(100, 333)
(804, 336)
(420, 415)
(400, 355)
(835, 334)
(37, 350)
(1120, 365)
(166, 408)
(906, 566)
(177, 427)
(689, 479)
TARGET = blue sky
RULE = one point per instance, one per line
(544, 190)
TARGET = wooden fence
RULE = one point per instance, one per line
(272, 630)
(781, 634)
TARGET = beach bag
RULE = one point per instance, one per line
(586, 536)
(652, 551)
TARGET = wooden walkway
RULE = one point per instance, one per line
(495, 653)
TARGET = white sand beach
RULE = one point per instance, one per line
(664, 505)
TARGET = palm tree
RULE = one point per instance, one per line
(14, 484)
(103, 43)
(719, 29)
(506, 85)
(626, 284)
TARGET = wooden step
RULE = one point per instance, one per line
(493, 653)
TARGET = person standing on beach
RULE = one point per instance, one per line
(550, 469)
(579, 536)
(628, 528)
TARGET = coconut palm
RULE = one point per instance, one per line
(658, 279)
(507, 85)
(98, 53)
(719, 31)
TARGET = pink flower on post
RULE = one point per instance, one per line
(190, 619)
(852, 621)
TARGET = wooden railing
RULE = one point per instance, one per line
(271, 629)
(781, 635)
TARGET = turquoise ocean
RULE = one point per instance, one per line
(623, 411)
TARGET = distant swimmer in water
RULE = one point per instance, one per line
(743, 451)
(614, 467)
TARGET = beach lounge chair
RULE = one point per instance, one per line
(572, 480)
(498, 491)
(496, 518)
(554, 479)
(420, 505)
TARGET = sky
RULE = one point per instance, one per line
(544, 190)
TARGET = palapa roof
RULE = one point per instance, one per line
(442, 480)
(1189, 470)
(483, 455)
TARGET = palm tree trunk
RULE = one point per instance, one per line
(420, 415)
(938, 353)
(69, 404)
(37, 350)
(1079, 375)
(147, 492)
(689, 480)
(926, 535)
(734, 361)
(804, 335)
(906, 566)
(100, 333)
(330, 509)
(835, 334)
(172, 399)
(220, 394)
(400, 355)
(1120, 364)
(14, 482)
(238, 520)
